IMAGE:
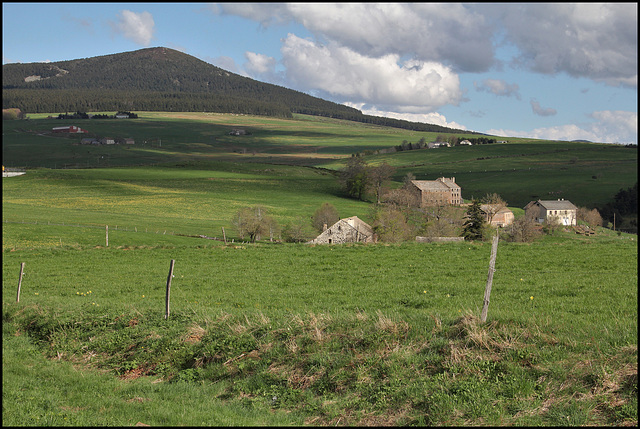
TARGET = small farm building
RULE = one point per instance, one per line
(68, 129)
(559, 211)
(502, 216)
(442, 191)
(465, 143)
(348, 230)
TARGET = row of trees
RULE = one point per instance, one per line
(84, 115)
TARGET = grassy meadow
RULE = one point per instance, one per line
(295, 334)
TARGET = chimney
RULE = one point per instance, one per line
(324, 227)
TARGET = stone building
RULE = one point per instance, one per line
(442, 191)
(498, 216)
(552, 211)
(348, 230)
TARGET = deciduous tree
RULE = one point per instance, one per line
(326, 215)
(253, 222)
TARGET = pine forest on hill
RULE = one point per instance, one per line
(163, 79)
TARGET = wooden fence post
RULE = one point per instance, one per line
(224, 236)
(487, 291)
(107, 235)
(166, 316)
(20, 281)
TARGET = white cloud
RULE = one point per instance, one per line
(137, 27)
(593, 40)
(427, 118)
(259, 63)
(446, 33)
(609, 127)
(499, 87)
(541, 111)
(412, 86)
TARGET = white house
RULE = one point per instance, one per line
(552, 211)
(465, 143)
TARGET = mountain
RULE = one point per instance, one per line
(163, 79)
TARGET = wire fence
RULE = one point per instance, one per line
(135, 229)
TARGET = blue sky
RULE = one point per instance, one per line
(555, 71)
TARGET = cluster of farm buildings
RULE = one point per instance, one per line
(73, 129)
(445, 191)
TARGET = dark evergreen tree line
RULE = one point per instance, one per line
(161, 79)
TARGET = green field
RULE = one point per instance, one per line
(293, 334)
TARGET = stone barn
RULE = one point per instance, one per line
(348, 230)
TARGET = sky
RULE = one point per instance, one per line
(558, 71)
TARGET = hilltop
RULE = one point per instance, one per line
(163, 79)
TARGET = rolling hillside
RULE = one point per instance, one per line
(162, 79)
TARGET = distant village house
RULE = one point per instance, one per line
(465, 143)
(552, 211)
(442, 191)
(348, 230)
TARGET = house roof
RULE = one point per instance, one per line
(441, 184)
(357, 223)
(553, 204)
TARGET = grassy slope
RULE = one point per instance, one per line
(368, 334)
(587, 174)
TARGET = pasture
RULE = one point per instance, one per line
(293, 334)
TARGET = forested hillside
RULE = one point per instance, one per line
(162, 79)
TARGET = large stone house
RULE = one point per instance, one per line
(497, 216)
(442, 191)
(552, 211)
(348, 230)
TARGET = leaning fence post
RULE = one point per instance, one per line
(166, 316)
(487, 291)
(224, 236)
(20, 281)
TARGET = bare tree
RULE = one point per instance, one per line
(297, 231)
(253, 222)
(590, 217)
(491, 205)
(523, 229)
(379, 176)
(391, 225)
(400, 198)
(325, 216)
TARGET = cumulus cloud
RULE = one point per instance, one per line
(608, 127)
(137, 27)
(498, 87)
(259, 63)
(447, 33)
(410, 86)
(598, 41)
(541, 111)
(427, 118)
(595, 41)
